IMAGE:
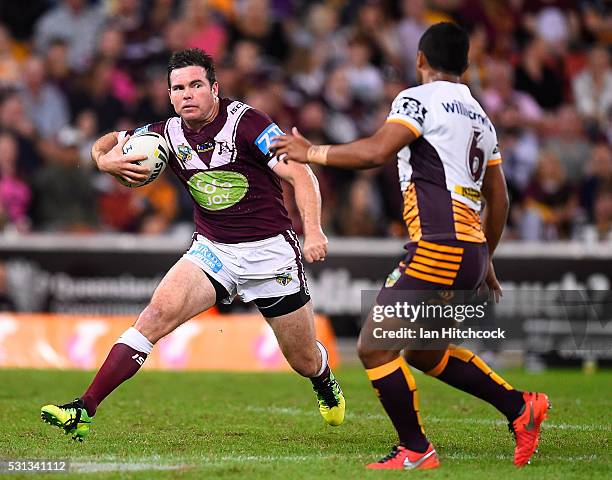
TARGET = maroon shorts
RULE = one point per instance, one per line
(439, 265)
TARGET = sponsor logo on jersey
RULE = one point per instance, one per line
(184, 152)
(236, 107)
(468, 192)
(144, 129)
(206, 256)
(393, 277)
(205, 147)
(461, 108)
(409, 107)
(264, 140)
(284, 279)
(218, 189)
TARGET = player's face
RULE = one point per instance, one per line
(191, 95)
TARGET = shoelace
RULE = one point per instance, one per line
(394, 453)
(74, 422)
(327, 392)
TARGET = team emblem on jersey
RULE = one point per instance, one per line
(284, 279)
(184, 152)
(393, 277)
(409, 107)
(205, 147)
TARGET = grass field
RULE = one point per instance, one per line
(217, 425)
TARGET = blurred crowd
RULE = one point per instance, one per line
(71, 70)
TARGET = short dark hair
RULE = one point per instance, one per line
(446, 46)
(191, 57)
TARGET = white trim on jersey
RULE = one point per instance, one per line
(225, 149)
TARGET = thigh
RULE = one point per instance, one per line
(219, 261)
(184, 292)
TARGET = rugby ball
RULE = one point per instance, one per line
(154, 146)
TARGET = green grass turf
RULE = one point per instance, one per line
(239, 425)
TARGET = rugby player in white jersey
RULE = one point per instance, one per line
(243, 244)
(447, 158)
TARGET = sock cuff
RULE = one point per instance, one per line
(133, 338)
(439, 368)
(461, 353)
(381, 371)
(324, 358)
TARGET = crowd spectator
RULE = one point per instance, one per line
(76, 22)
(550, 202)
(15, 194)
(593, 88)
(44, 104)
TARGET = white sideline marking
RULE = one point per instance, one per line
(208, 461)
(92, 467)
(587, 427)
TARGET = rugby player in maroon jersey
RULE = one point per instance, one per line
(243, 243)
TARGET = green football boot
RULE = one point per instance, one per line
(71, 417)
(331, 401)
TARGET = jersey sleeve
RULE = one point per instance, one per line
(495, 157)
(257, 129)
(408, 109)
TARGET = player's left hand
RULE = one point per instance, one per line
(291, 147)
(493, 283)
(315, 246)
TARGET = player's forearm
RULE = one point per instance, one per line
(495, 215)
(308, 200)
(103, 145)
(361, 154)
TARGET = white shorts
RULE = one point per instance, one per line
(266, 268)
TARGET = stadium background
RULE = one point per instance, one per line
(76, 241)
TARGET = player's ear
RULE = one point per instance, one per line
(421, 60)
(215, 89)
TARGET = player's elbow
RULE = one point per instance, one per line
(375, 157)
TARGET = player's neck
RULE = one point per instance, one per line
(441, 76)
(197, 125)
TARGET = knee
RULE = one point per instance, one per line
(423, 360)
(374, 358)
(151, 322)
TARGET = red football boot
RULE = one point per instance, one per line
(401, 458)
(526, 428)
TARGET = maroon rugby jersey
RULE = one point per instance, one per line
(227, 169)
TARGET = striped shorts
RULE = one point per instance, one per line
(439, 265)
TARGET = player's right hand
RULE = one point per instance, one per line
(117, 163)
(293, 147)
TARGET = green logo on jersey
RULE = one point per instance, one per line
(218, 189)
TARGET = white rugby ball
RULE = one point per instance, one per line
(154, 146)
